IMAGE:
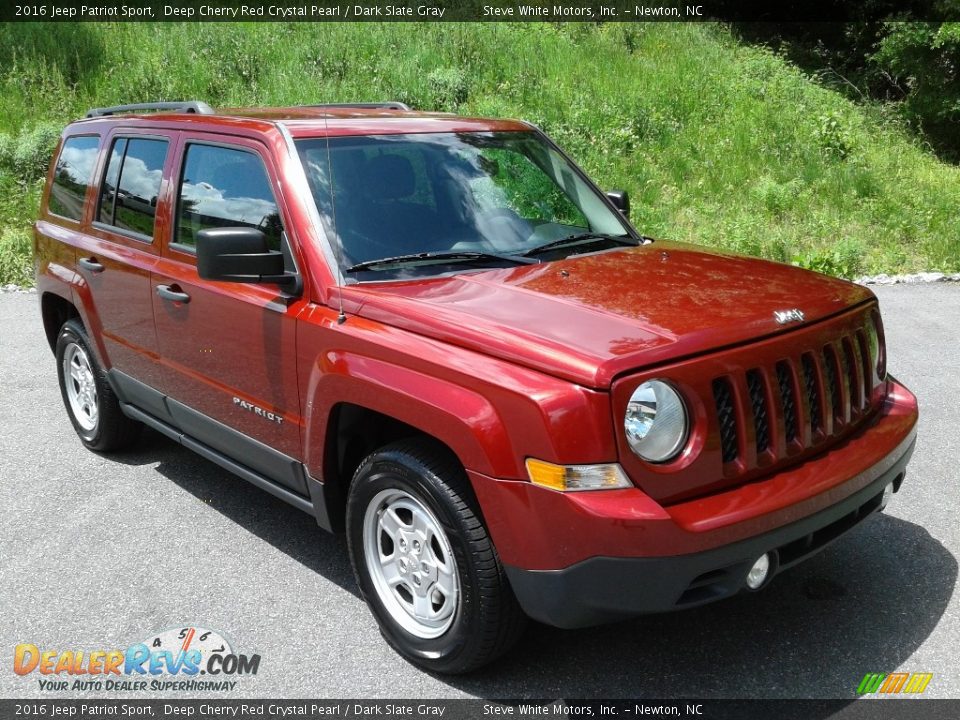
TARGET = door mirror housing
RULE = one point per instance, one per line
(239, 254)
(620, 200)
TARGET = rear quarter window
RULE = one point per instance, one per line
(73, 175)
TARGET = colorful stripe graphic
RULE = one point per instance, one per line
(893, 683)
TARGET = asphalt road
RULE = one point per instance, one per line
(100, 552)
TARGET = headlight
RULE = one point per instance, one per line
(656, 421)
(878, 355)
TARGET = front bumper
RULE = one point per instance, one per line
(603, 589)
(580, 559)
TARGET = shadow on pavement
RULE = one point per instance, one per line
(863, 605)
(288, 529)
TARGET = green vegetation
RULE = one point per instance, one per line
(718, 142)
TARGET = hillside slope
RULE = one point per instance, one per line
(717, 142)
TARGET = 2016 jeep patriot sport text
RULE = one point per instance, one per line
(436, 334)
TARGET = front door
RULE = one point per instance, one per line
(228, 349)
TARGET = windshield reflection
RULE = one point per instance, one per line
(499, 193)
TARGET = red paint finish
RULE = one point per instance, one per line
(493, 413)
(590, 318)
(501, 365)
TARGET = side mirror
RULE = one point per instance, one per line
(621, 201)
(239, 254)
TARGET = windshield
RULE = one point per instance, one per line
(453, 197)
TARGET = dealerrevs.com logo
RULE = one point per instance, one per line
(186, 658)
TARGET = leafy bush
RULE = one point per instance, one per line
(32, 151)
(448, 88)
(844, 259)
(16, 258)
(832, 135)
(6, 152)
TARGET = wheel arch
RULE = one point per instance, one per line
(55, 311)
(341, 432)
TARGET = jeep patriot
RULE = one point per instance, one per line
(435, 334)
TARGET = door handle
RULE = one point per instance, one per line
(90, 264)
(173, 293)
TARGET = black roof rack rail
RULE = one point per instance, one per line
(191, 106)
(390, 105)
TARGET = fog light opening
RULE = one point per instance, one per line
(887, 494)
(760, 572)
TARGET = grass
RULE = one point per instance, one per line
(717, 142)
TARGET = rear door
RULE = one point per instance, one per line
(120, 247)
(229, 348)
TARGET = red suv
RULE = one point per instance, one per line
(436, 334)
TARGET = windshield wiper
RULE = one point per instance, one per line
(455, 256)
(587, 238)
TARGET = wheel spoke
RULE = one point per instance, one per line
(421, 523)
(391, 523)
(440, 562)
(390, 573)
(422, 607)
(446, 583)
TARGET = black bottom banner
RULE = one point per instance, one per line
(204, 709)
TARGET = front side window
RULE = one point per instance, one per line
(73, 175)
(131, 186)
(225, 187)
(497, 196)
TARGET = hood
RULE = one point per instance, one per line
(589, 318)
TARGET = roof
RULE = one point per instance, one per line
(311, 121)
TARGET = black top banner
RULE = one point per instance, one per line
(777, 11)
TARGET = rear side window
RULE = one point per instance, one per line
(225, 187)
(73, 175)
(128, 198)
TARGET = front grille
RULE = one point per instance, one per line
(794, 404)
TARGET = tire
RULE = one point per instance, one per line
(91, 404)
(416, 494)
